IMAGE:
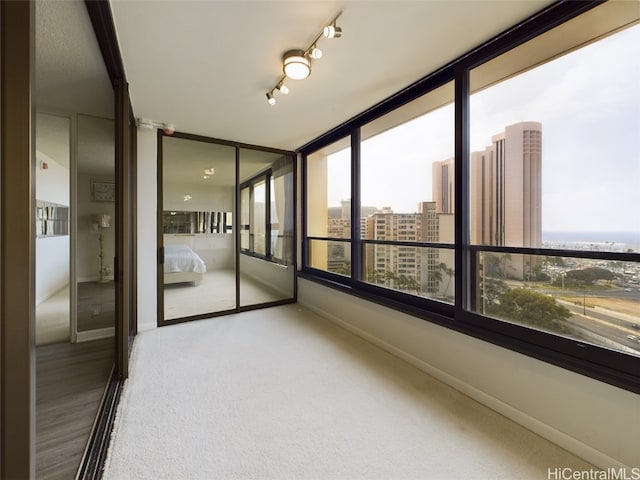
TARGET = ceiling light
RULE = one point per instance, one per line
(205, 176)
(295, 65)
(187, 198)
(270, 99)
(209, 171)
(331, 31)
(315, 53)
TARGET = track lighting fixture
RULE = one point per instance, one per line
(296, 64)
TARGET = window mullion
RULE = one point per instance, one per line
(356, 247)
(462, 184)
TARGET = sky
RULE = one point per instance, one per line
(588, 103)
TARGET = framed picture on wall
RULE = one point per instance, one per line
(102, 191)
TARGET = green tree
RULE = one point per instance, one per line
(587, 276)
(531, 308)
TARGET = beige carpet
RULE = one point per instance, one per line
(281, 393)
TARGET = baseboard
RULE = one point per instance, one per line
(546, 431)
(96, 334)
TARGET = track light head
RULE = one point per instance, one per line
(315, 53)
(331, 31)
(282, 88)
(270, 99)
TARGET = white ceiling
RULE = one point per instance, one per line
(206, 65)
(70, 74)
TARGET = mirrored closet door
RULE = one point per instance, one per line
(220, 255)
(198, 238)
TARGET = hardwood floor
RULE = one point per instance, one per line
(70, 381)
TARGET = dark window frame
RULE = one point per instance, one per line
(612, 367)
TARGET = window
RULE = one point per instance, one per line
(406, 197)
(527, 235)
(328, 187)
(553, 167)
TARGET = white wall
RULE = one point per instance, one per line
(147, 229)
(52, 253)
(594, 420)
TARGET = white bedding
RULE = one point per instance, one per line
(180, 258)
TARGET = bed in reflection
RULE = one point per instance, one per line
(182, 264)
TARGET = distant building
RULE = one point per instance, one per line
(394, 266)
(505, 190)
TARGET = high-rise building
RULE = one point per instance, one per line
(506, 188)
(505, 191)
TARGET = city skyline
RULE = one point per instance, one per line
(577, 144)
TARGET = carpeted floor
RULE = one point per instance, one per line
(281, 394)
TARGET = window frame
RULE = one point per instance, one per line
(610, 366)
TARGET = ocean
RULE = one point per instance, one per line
(609, 241)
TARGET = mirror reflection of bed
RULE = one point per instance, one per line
(199, 276)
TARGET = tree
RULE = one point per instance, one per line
(587, 276)
(531, 308)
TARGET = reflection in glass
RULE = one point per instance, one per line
(96, 232)
(53, 157)
(267, 231)
(199, 246)
(595, 301)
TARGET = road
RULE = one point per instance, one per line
(604, 325)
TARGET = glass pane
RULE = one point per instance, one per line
(330, 256)
(199, 185)
(267, 271)
(555, 150)
(329, 191)
(407, 180)
(422, 271)
(594, 301)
